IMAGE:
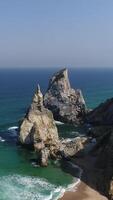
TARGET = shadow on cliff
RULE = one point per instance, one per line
(86, 167)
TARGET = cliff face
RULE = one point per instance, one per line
(104, 158)
(102, 115)
(105, 162)
(38, 128)
(66, 104)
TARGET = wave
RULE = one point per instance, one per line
(1, 139)
(12, 128)
(32, 188)
(13, 131)
(76, 181)
(18, 187)
(59, 123)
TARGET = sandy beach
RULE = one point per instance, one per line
(83, 192)
(87, 188)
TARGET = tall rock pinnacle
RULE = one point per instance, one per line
(67, 104)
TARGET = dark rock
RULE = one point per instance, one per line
(102, 115)
(105, 162)
(66, 104)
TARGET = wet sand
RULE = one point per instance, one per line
(91, 179)
(83, 192)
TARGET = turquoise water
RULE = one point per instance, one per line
(19, 180)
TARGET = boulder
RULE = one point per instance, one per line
(66, 104)
(72, 147)
(101, 115)
(38, 128)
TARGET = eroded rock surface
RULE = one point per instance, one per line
(102, 115)
(38, 128)
(105, 162)
(72, 147)
(103, 152)
(66, 104)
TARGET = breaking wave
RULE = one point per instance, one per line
(2, 139)
(13, 131)
(58, 123)
(17, 187)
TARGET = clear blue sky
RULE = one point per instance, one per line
(77, 33)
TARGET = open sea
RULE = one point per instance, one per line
(19, 179)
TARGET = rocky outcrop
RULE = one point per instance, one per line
(101, 119)
(102, 115)
(72, 147)
(66, 104)
(38, 129)
(103, 153)
(105, 163)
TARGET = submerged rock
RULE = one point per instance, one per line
(102, 115)
(38, 129)
(66, 104)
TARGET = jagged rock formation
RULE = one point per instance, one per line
(102, 115)
(66, 104)
(72, 147)
(38, 128)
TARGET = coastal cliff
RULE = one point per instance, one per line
(105, 162)
(66, 104)
(103, 151)
(102, 114)
(102, 119)
(61, 102)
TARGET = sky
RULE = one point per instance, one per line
(51, 33)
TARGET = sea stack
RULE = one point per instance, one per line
(66, 104)
(39, 130)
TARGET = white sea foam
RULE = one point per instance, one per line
(72, 187)
(59, 123)
(13, 130)
(17, 187)
(1, 139)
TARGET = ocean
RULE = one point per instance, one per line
(19, 179)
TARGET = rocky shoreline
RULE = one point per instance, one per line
(67, 105)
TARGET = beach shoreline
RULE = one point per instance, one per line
(82, 192)
(87, 186)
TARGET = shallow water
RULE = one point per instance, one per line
(18, 178)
